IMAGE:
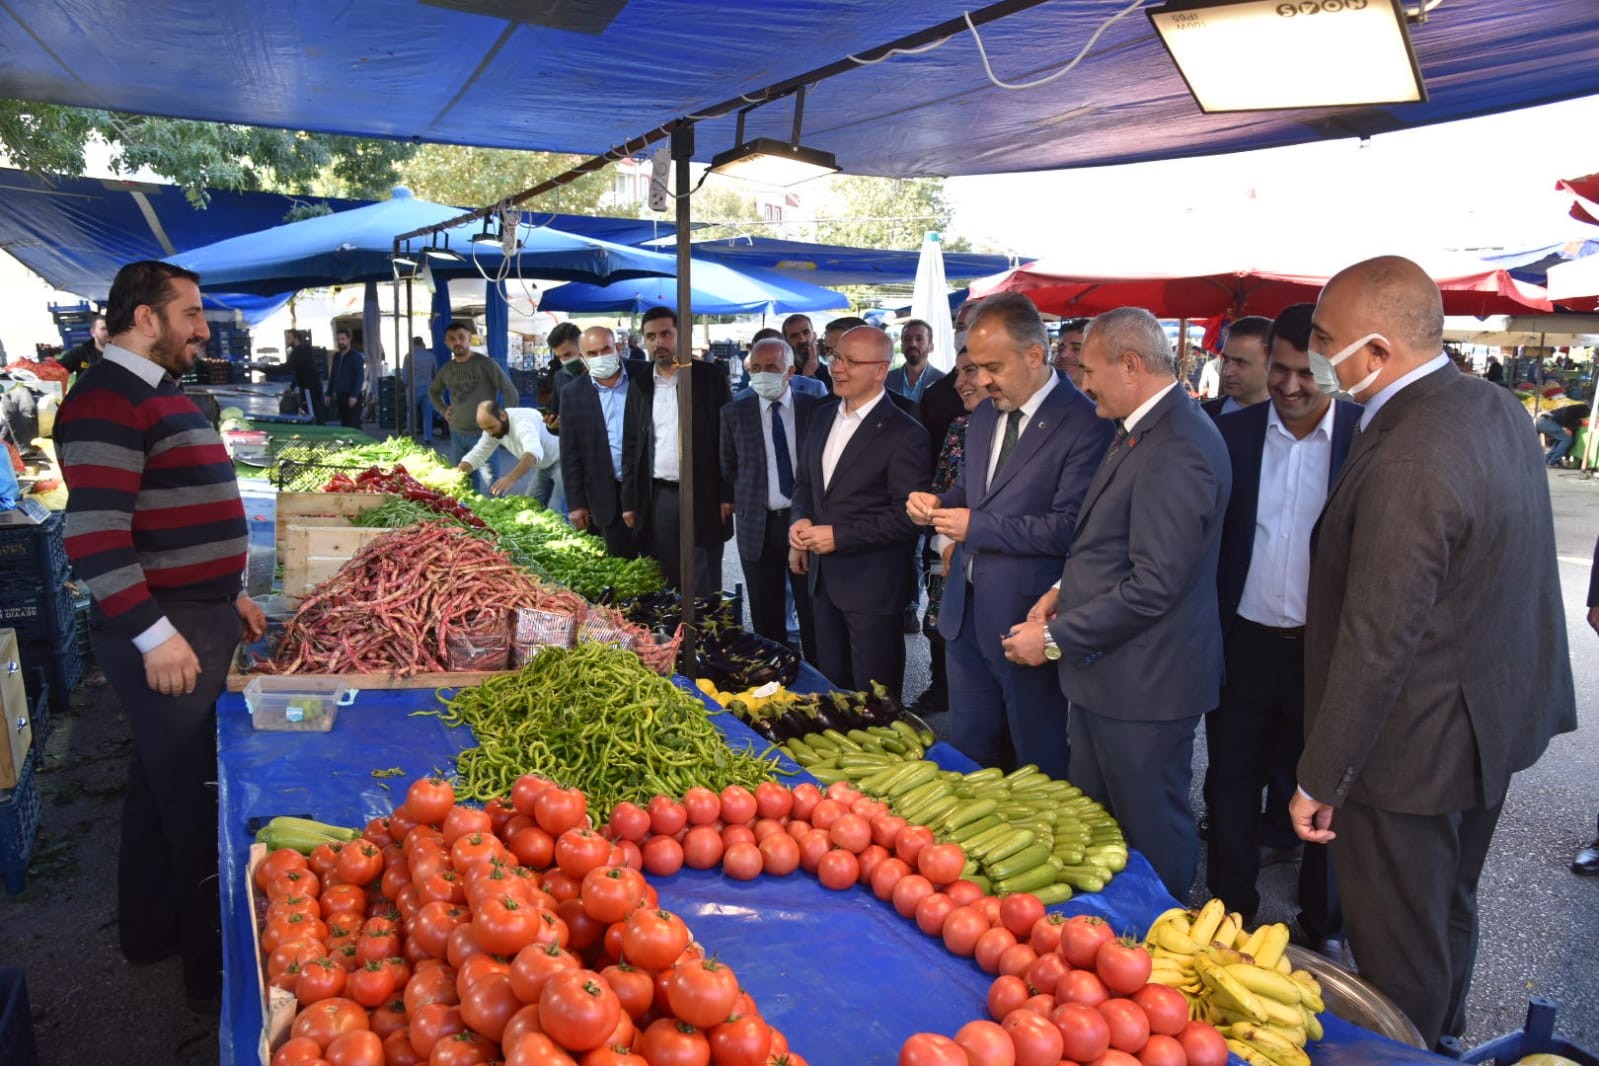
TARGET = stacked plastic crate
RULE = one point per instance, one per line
(38, 600)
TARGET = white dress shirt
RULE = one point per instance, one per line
(667, 464)
(1229, 405)
(1294, 477)
(526, 434)
(845, 423)
(775, 500)
(1373, 405)
(1131, 421)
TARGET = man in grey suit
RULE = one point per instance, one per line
(763, 430)
(1415, 717)
(1133, 620)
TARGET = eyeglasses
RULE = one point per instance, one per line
(858, 362)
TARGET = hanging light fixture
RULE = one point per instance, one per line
(405, 258)
(770, 161)
(443, 252)
(487, 235)
(1266, 55)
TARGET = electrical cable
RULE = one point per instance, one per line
(989, 69)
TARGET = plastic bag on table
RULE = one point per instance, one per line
(605, 626)
(533, 626)
(482, 641)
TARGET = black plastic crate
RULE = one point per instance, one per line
(19, 826)
(40, 613)
(61, 663)
(33, 556)
(39, 700)
(1537, 1037)
(17, 1045)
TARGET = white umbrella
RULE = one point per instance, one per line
(930, 303)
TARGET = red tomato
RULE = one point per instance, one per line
(886, 877)
(962, 928)
(911, 840)
(964, 893)
(1046, 971)
(765, 827)
(1037, 1041)
(673, 1043)
(1084, 1032)
(611, 893)
(667, 816)
(737, 834)
(524, 1022)
(582, 931)
(826, 812)
(797, 828)
(1166, 1008)
(806, 797)
(436, 984)
(465, 1048)
(986, 1043)
(560, 809)
(941, 863)
(432, 1023)
(1081, 986)
(632, 857)
(328, 1018)
(476, 969)
(1040, 1004)
(871, 858)
(429, 800)
(1081, 937)
(629, 821)
(909, 893)
(931, 912)
(397, 1049)
(738, 805)
(370, 985)
(319, 979)
(653, 939)
(1129, 1029)
(742, 1040)
(1124, 966)
(533, 847)
(526, 791)
(505, 925)
(488, 1005)
(780, 854)
(1203, 1045)
(473, 850)
(812, 847)
(702, 845)
(931, 1049)
(533, 967)
(850, 832)
(773, 801)
(838, 870)
(1045, 935)
(990, 946)
(886, 829)
(1006, 994)
(578, 1009)
(1019, 912)
(463, 944)
(462, 821)
(868, 808)
(634, 988)
(703, 806)
(701, 992)
(663, 856)
(359, 1047)
(578, 850)
(988, 907)
(742, 862)
(1163, 1050)
(1017, 959)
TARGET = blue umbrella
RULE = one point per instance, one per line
(355, 245)
(717, 290)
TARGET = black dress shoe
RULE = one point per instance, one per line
(913, 624)
(1277, 856)
(1587, 860)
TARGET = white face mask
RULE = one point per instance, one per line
(602, 366)
(1321, 367)
(568, 360)
(767, 385)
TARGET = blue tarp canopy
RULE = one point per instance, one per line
(1532, 264)
(356, 245)
(828, 264)
(583, 77)
(717, 290)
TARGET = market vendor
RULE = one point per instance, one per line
(87, 354)
(471, 377)
(156, 528)
(522, 432)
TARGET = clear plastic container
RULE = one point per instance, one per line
(296, 704)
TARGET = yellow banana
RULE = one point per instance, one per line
(1249, 1054)
(1226, 934)
(1207, 921)
(1285, 1018)
(1155, 926)
(1309, 991)
(1169, 978)
(1256, 940)
(1227, 990)
(1285, 966)
(1273, 946)
(1224, 956)
(1269, 1043)
(1294, 1034)
(1313, 1029)
(1268, 983)
(1171, 938)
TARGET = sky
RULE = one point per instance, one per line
(1486, 184)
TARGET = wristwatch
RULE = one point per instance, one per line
(1051, 649)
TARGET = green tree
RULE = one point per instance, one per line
(477, 177)
(885, 213)
(50, 139)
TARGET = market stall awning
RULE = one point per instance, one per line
(717, 290)
(356, 245)
(832, 264)
(1205, 292)
(1532, 264)
(584, 77)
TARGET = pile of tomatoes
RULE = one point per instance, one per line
(450, 935)
(1070, 991)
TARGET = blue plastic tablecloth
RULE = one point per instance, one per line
(840, 972)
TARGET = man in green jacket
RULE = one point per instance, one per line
(470, 379)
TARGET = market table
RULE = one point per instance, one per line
(843, 975)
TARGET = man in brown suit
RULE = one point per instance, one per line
(1415, 717)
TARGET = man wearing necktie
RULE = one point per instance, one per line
(762, 433)
(850, 535)
(1133, 622)
(1031, 451)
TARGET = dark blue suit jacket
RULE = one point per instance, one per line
(885, 461)
(1020, 528)
(744, 464)
(1244, 433)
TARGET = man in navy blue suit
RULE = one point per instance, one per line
(1285, 454)
(1031, 451)
(850, 534)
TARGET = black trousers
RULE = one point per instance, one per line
(665, 542)
(1255, 735)
(1409, 885)
(167, 866)
(1141, 772)
(853, 649)
(766, 579)
(349, 414)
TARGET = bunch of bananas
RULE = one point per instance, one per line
(1240, 981)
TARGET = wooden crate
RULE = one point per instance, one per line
(238, 680)
(278, 1007)
(312, 554)
(15, 714)
(321, 509)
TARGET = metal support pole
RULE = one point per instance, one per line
(399, 328)
(682, 153)
(410, 386)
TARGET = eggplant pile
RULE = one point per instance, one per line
(787, 715)
(662, 612)
(736, 660)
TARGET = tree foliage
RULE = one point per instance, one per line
(477, 177)
(50, 140)
(885, 213)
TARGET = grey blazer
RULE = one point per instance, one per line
(1137, 615)
(1435, 642)
(744, 464)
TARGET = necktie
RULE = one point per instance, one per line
(1007, 443)
(785, 466)
(1121, 435)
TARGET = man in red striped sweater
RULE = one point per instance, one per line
(155, 526)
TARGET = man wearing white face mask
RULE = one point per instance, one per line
(762, 432)
(594, 414)
(1415, 719)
